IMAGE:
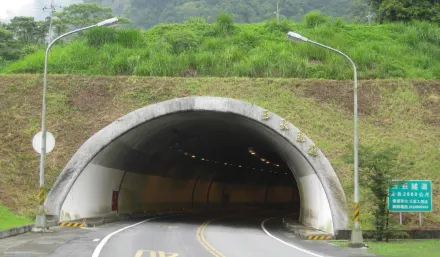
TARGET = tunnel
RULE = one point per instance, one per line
(199, 153)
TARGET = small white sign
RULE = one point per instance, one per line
(37, 141)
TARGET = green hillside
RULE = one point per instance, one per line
(148, 13)
(403, 113)
(222, 49)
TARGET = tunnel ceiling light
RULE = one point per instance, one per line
(268, 162)
(193, 156)
(226, 163)
(262, 159)
(239, 166)
(203, 159)
(185, 153)
(285, 173)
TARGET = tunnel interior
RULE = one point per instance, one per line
(194, 159)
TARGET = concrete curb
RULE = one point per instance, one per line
(304, 232)
(94, 222)
(15, 231)
(396, 234)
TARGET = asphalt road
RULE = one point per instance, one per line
(189, 235)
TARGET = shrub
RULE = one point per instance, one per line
(224, 25)
(314, 19)
(128, 37)
(100, 36)
(275, 26)
(181, 40)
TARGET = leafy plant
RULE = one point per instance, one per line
(314, 19)
(224, 25)
(378, 169)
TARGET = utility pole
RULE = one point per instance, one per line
(40, 219)
(52, 8)
(369, 16)
(278, 12)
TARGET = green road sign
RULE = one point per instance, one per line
(410, 196)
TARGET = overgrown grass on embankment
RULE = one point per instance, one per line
(403, 248)
(196, 48)
(10, 220)
(399, 113)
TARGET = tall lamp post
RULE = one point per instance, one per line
(40, 220)
(356, 234)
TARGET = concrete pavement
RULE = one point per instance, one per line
(193, 234)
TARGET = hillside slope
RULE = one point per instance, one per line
(222, 49)
(392, 113)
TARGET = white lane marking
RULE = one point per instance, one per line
(105, 239)
(284, 242)
(96, 240)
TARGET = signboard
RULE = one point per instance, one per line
(410, 196)
(37, 141)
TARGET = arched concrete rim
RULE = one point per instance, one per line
(105, 136)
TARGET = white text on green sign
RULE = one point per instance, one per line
(410, 196)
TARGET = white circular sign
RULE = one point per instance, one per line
(37, 141)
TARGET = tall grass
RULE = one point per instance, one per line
(196, 48)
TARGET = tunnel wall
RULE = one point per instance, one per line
(284, 136)
(315, 208)
(91, 195)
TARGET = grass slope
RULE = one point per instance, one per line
(403, 248)
(392, 113)
(196, 48)
(10, 220)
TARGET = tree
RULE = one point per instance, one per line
(27, 30)
(80, 15)
(407, 10)
(378, 167)
(10, 49)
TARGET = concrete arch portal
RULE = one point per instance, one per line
(199, 152)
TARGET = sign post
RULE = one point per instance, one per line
(410, 196)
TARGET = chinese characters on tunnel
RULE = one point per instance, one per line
(410, 196)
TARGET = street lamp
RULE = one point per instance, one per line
(356, 234)
(40, 220)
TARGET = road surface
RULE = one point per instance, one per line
(207, 234)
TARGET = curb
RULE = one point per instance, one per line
(319, 237)
(15, 231)
(304, 232)
(71, 224)
(114, 218)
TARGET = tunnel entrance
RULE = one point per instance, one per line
(199, 152)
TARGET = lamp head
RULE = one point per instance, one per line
(296, 37)
(108, 22)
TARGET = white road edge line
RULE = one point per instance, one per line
(284, 242)
(105, 239)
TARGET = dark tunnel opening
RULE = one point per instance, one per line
(199, 153)
(211, 147)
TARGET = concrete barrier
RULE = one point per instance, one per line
(15, 231)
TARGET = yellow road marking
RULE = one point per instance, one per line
(200, 234)
(154, 254)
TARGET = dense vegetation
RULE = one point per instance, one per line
(146, 14)
(197, 48)
(406, 10)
